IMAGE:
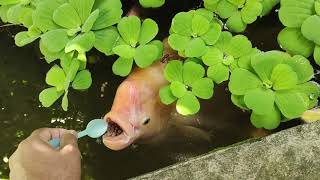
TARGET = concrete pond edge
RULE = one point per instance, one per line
(289, 154)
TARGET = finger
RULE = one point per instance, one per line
(69, 138)
(46, 134)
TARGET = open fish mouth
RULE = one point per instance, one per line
(120, 134)
(113, 129)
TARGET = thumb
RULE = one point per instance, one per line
(69, 139)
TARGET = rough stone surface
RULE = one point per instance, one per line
(291, 154)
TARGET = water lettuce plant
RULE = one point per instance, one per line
(152, 3)
(222, 58)
(238, 13)
(301, 35)
(136, 45)
(187, 83)
(193, 32)
(276, 88)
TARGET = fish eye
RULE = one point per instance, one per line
(146, 121)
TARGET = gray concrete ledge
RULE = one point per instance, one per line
(290, 154)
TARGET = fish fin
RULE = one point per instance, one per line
(311, 115)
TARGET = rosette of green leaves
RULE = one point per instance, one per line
(72, 26)
(152, 3)
(61, 78)
(17, 11)
(238, 12)
(302, 21)
(187, 82)
(225, 55)
(193, 32)
(276, 88)
(137, 45)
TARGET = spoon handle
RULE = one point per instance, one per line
(55, 142)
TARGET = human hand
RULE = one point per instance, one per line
(35, 159)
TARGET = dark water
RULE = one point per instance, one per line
(22, 74)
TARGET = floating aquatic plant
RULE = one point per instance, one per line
(187, 82)
(302, 21)
(276, 88)
(137, 45)
(238, 12)
(152, 3)
(225, 55)
(193, 32)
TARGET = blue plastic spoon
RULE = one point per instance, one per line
(95, 129)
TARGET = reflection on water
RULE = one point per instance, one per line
(22, 74)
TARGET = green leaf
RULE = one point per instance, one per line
(212, 57)
(224, 40)
(239, 46)
(129, 28)
(173, 71)
(268, 121)
(302, 67)
(122, 67)
(291, 103)
(25, 16)
(239, 101)
(312, 92)
(146, 55)
(65, 102)
(225, 9)
(72, 71)
(125, 51)
(178, 42)
(245, 61)
(160, 47)
(203, 88)
(294, 12)
(88, 24)
(82, 80)
(192, 72)
(263, 63)
(235, 23)
(56, 77)
(66, 16)
(317, 7)
(166, 95)
(106, 39)
(48, 96)
(218, 73)
(107, 17)
(48, 55)
(195, 48)
(251, 11)
(242, 80)
(22, 38)
(316, 55)
(182, 23)
(178, 89)
(212, 36)
(107, 4)
(308, 29)
(152, 3)
(211, 4)
(292, 40)
(83, 8)
(55, 40)
(238, 3)
(260, 100)
(200, 25)
(188, 104)
(81, 43)
(42, 15)
(268, 5)
(149, 30)
(205, 13)
(283, 77)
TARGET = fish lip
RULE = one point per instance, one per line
(124, 139)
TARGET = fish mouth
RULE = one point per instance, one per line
(120, 134)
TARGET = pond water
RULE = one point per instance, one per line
(22, 74)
